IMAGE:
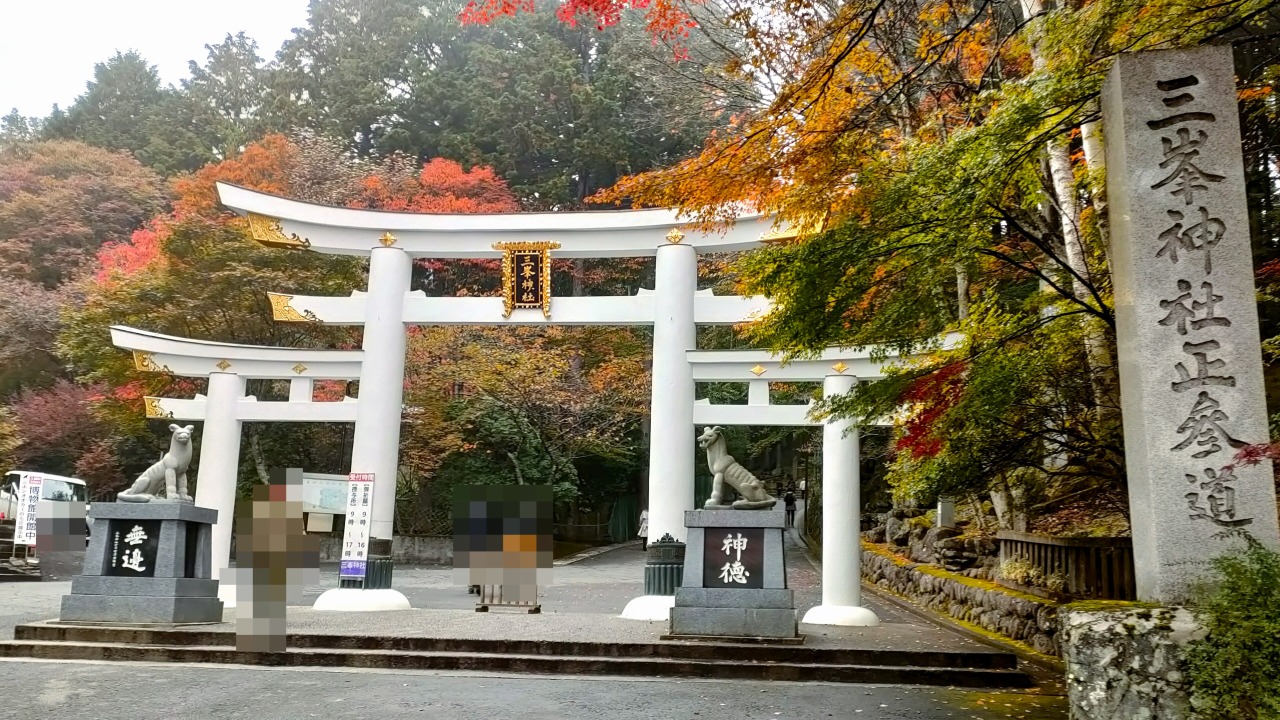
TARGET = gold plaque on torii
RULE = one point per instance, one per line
(526, 275)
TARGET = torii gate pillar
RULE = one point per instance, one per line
(376, 444)
(841, 516)
(671, 440)
(671, 437)
(220, 465)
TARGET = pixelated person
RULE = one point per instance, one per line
(275, 559)
(503, 542)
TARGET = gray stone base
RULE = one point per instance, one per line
(774, 598)
(149, 587)
(140, 609)
(734, 622)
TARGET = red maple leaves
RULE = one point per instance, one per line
(933, 395)
(664, 19)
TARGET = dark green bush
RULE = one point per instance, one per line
(1235, 670)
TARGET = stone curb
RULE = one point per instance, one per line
(587, 554)
(1043, 664)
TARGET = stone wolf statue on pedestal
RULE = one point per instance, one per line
(727, 471)
(168, 475)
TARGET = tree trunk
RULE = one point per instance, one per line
(515, 464)
(259, 461)
(1006, 499)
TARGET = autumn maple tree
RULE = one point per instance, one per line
(942, 164)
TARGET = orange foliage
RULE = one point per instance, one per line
(441, 187)
(263, 166)
(126, 258)
(840, 117)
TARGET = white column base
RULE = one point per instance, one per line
(358, 600)
(845, 615)
(227, 590)
(649, 607)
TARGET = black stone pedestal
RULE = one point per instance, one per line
(146, 563)
(735, 578)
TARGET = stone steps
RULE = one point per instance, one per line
(665, 659)
(736, 669)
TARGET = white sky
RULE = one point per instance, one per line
(48, 47)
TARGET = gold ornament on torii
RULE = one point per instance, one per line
(267, 230)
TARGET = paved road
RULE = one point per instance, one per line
(137, 691)
(602, 584)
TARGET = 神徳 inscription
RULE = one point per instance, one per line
(733, 558)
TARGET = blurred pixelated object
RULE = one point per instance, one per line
(61, 529)
(275, 560)
(502, 543)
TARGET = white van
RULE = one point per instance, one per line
(55, 488)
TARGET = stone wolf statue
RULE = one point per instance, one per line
(168, 475)
(727, 471)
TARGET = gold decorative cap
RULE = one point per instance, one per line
(267, 230)
(840, 367)
(154, 408)
(223, 365)
(675, 236)
(299, 368)
(387, 239)
(757, 371)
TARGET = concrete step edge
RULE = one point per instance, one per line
(536, 664)
(672, 651)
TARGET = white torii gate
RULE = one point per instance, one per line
(838, 370)
(226, 408)
(392, 240)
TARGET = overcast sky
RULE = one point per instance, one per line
(48, 47)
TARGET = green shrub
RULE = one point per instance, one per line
(1235, 670)
(1023, 572)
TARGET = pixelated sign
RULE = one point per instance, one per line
(355, 535)
(25, 527)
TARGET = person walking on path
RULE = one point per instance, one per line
(643, 532)
(789, 502)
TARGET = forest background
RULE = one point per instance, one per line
(945, 156)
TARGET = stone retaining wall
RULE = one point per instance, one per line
(1024, 618)
(405, 549)
(1126, 663)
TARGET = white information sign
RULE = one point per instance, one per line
(29, 488)
(324, 494)
(355, 536)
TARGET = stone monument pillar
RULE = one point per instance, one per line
(1186, 315)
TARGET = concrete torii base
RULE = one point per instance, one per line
(846, 615)
(649, 607)
(358, 600)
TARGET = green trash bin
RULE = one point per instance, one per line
(664, 568)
